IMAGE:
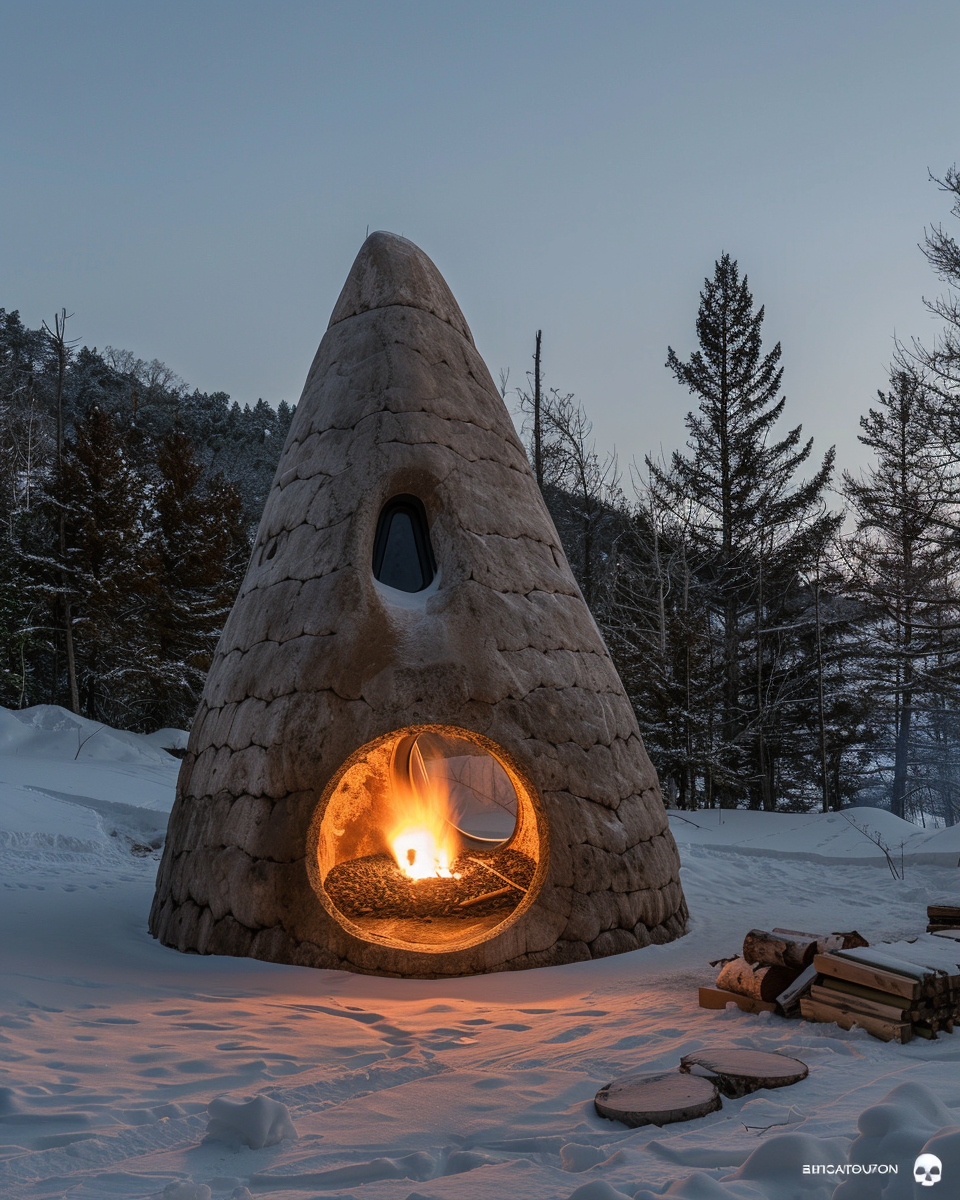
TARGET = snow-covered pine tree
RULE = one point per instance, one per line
(752, 524)
(101, 498)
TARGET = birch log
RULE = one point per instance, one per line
(762, 983)
(779, 949)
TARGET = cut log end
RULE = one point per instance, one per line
(761, 983)
(737, 1072)
(657, 1099)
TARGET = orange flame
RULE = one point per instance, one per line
(423, 841)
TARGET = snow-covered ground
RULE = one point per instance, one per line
(481, 1088)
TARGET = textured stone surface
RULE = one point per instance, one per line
(317, 660)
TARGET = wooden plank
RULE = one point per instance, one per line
(872, 977)
(789, 998)
(926, 951)
(719, 998)
(869, 1008)
(845, 987)
(871, 956)
(886, 1031)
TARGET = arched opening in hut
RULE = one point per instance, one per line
(428, 839)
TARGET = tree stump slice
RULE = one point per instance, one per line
(657, 1099)
(737, 1072)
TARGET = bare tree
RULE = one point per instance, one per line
(62, 350)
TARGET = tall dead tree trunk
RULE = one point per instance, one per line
(537, 426)
(57, 337)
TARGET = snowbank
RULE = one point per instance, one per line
(117, 1055)
(839, 838)
(72, 790)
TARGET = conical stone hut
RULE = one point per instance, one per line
(413, 755)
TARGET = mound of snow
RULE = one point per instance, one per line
(51, 732)
(255, 1123)
(844, 837)
(73, 790)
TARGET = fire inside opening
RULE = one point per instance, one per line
(430, 839)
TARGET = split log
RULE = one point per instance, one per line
(779, 949)
(737, 1072)
(857, 1004)
(657, 1099)
(853, 940)
(886, 1031)
(828, 941)
(789, 999)
(846, 987)
(868, 976)
(874, 957)
(761, 983)
(939, 912)
(718, 998)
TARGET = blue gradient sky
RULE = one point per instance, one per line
(193, 180)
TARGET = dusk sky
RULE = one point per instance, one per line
(193, 181)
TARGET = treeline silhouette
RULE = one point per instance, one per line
(789, 640)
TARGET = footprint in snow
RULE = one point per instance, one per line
(570, 1035)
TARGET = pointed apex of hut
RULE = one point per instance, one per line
(390, 270)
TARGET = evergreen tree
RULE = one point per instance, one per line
(753, 528)
(904, 560)
(196, 553)
(101, 498)
(55, 574)
(941, 361)
(656, 622)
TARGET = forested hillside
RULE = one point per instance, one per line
(127, 505)
(790, 638)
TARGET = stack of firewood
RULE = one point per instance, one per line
(773, 971)
(896, 991)
(942, 916)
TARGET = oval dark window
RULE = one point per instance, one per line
(402, 554)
